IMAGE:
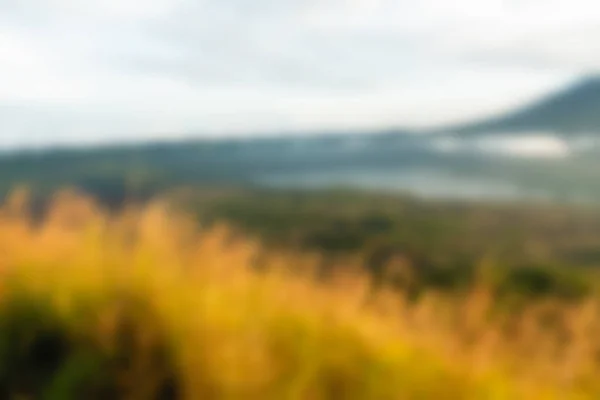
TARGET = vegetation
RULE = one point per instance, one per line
(227, 290)
(140, 304)
(522, 250)
(113, 174)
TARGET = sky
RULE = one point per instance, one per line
(74, 71)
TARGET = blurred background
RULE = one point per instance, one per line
(299, 199)
(490, 98)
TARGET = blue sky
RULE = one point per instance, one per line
(108, 70)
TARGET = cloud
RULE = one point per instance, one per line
(571, 49)
(557, 34)
(127, 68)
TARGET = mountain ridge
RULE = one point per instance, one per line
(567, 111)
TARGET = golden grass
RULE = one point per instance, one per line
(142, 305)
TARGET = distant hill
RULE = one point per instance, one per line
(573, 110)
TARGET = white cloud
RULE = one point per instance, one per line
(132, 68)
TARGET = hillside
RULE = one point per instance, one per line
(573, 110)
(140, 305)
(116, 172)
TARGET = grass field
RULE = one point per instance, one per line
(142, 305)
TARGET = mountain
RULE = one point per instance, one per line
(573, 110)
